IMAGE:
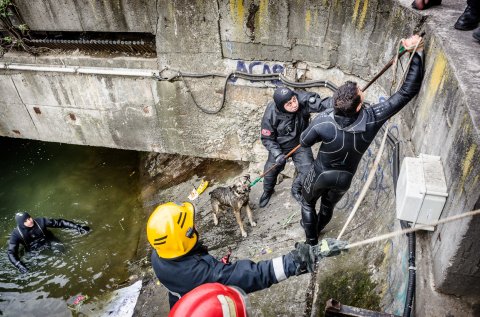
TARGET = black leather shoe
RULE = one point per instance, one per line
(476, 34)
(468, 20)
(264, 199)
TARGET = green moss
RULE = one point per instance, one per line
(352, 287)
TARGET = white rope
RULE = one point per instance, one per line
(419, 227)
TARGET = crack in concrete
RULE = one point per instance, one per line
(219, 30)
(23, 103)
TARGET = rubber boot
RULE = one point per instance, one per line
(264, 199)
(309, 220)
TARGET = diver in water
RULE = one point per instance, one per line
(34, 235)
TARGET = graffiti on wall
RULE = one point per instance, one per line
(258, 68)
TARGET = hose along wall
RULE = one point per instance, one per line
(407, 310)
(252, 77)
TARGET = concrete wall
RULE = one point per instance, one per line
(358, 37)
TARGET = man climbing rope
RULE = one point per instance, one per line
(181, 262)
(283, 121)
(346, 131)
(34, 235)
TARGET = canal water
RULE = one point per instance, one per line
(97, 187)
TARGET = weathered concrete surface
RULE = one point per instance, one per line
(89, 15)
(446, 123)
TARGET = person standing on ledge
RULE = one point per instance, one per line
(34, 235)
(346, 131)
(283, 121)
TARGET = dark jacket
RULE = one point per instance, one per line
(34, 237)
(344, 140)
(281, 131)
(182, 275)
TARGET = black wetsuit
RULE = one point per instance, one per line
(198, 267)
(281, 133)
(35, 237)
(344, 140)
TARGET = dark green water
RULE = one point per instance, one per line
(87, 185)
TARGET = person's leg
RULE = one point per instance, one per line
(311, 192)
(336, 183)
(470, 17)
(269, 180)
(328, 202)
(303, 159)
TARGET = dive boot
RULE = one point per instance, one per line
(265, 199)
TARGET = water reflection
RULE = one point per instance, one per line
(93, 186)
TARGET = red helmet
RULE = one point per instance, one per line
(212, 300)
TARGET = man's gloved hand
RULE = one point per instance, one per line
(22, 268)
(281, 159)
(83, 229)
(304, 258)
(329, 247)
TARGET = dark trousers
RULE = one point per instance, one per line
(302, 158)
(329, 185)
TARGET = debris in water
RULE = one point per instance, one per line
(75, 302)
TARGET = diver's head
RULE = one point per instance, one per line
(348, 99)
(24, 219)
(285, 100)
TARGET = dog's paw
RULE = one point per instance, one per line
(254, 224)
(244, 234)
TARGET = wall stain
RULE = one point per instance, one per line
(308, 19)
(467, 164)
(361, 22)
(437, 79)
(355, 11)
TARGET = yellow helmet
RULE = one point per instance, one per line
(170, 230)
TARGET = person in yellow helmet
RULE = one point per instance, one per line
(181, 262)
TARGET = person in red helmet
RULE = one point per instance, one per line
(213, 300)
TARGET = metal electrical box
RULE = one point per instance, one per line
(421, 190)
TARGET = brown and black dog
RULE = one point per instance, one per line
(236, 197)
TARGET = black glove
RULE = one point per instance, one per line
(281, 159)
(304, 258)
(329, 247)
(83, 229)
(22, 268)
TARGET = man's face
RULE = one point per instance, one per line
(292, 105)
(28, 223)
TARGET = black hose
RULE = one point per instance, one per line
(252, 77)
(412, 270)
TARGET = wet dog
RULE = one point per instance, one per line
(235, 197)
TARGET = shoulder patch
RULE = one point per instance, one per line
(266, 132)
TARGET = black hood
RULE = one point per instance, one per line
(20, 218)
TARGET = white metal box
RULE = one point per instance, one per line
(421, 190)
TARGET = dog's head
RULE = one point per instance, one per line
(242, 184)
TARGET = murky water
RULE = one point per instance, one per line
(87, 185)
